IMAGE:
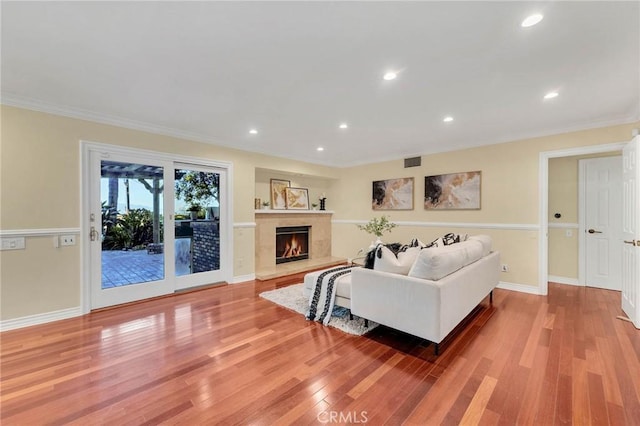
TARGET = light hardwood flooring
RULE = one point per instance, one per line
(226, 356)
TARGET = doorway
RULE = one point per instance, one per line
(155, 223)
(543, 214)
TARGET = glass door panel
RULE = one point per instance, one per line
(132, 223)
(197, 224)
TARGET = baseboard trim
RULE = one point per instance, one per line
(564, 280)
(30, 320)
(243, 278)
(522, 288)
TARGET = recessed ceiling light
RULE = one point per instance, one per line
(343, 126)
(551, 95)
(532, 20)
(253, 131)
(390, 75)
(447, 119)
(319, 148)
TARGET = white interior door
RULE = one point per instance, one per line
(603, 206)
(631, 231)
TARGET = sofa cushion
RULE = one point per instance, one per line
(486, 243)
(386, 261)
(438, 262)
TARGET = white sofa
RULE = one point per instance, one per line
(427, 308)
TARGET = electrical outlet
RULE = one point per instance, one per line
(505, 267)
(67, 240)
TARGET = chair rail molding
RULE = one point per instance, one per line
(41, 232)
(506, 226)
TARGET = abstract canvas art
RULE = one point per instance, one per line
(392, 194)
(453, 191)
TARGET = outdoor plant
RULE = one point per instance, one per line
(378, 226)
(194, 207)
(132, 230)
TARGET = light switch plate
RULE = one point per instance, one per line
(13, 243)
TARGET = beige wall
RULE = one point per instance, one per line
(40, 187)
(509, 197)
(317, 185)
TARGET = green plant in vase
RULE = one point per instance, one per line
(377, 226)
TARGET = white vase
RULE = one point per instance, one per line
(375, 243)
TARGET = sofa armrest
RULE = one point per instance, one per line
(407, 304)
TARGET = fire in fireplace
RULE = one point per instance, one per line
(292, 243)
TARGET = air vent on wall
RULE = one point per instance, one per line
(412, 162)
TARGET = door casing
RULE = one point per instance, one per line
(543, 212)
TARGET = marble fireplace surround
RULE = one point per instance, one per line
(319, 241)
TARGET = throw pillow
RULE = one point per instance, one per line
(436, 263)
(417, 243)
(386, 260)
(451, 238)
(435, 243)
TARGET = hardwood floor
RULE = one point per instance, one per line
(226, 356)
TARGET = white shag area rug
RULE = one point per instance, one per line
(291, 298)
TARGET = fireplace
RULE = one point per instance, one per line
(292, 243)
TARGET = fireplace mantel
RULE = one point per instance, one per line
(319, 241)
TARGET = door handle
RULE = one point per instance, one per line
(93, 234)
(593, 231)
(632, 242)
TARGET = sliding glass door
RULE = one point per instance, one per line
(154, 226)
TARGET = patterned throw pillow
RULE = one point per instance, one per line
(438, 242)
(451, 238)
(435, 243)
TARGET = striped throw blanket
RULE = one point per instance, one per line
(323, 295)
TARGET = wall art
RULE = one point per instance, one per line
(452, 191)
(392, 194)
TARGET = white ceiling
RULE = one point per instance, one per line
(210, 71)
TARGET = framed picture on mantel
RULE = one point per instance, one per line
(278, 195)
(297, 198)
